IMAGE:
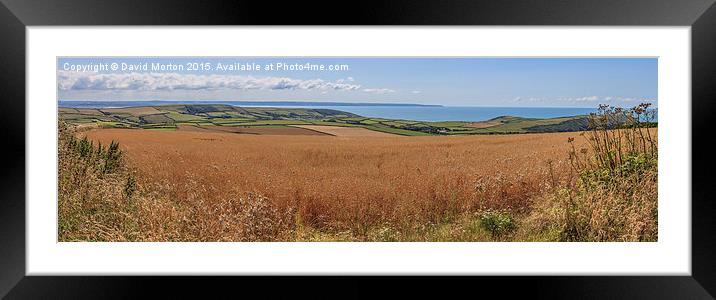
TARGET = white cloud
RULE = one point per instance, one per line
(586, 99)
(605, 99)
(68, 80)
(592, 100)
(347, 79)
(528, 99)
(379, 91)
(416, 92)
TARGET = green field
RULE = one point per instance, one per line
(225, 115)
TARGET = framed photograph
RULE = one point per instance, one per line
(527, 145)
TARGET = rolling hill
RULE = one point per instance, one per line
(168, 117)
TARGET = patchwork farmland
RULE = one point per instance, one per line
(168, 117)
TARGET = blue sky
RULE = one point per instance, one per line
(525, 82)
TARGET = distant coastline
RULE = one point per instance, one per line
(130, 103)
(396, 111)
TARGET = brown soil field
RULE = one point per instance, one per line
(345, 131)
(250, 130)
(90, 111)
(81, 111)
(87, 126)
(136, 111)
(346, 182)
(485, 124)
(192, 128)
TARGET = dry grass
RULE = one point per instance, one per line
(340, 184)
(624, 211)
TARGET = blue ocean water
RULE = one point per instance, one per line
(457, 113)
(407, 112)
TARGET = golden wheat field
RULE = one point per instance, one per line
(348, 182)
(284, 185)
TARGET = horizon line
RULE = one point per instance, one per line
(335, 103)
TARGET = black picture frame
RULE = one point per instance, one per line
(15, 15)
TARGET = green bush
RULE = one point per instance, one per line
(498, 223)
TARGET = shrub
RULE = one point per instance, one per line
(111, 157)
(497, 222)
(130, 187)
(619, 143)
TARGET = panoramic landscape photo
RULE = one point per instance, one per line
(261, 149)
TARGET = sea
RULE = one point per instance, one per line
(389, 111)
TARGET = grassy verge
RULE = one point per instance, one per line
(613, 196)
(96, 190)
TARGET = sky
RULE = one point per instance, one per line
(504, 82)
